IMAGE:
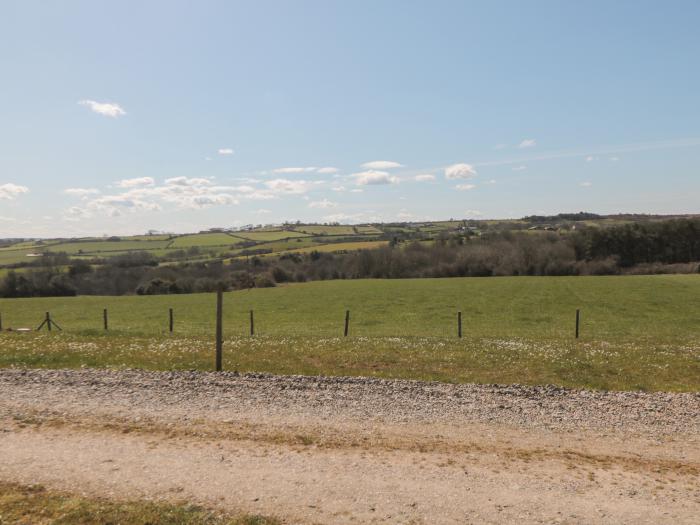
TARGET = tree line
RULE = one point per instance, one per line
(646, 247)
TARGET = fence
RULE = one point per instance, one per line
(49, 323)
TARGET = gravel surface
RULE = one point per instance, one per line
(344, 450)
(212, 396)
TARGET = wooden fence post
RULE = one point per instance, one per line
(49, 323)
(0, 322)
(578, 321)
(252, 323)
(347, 322)
(105, 319)
(171, 323)
(459, 324)
(219, 328)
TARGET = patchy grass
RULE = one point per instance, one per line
(34, 505)
(589, 364)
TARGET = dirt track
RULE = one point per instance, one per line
(340, 450)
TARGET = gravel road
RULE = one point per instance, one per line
(344, 450)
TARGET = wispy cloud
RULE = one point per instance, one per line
(81, 192)
(424, 177)
(10, 191)
(323, 204)
(522, 167)
(226, 151)
(135, 182)
(328, 170)
(287, 171)
(465, 187)
(586, 184)
(288, 186)
(108, 109)
(382, 165)
(527, 143)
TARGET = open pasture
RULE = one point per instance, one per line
(268, 235)
(97, 247)
(637, 332)
(203, 240)
(317, 229)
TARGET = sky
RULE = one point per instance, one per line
(121, 117)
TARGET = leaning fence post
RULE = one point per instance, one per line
(219, 328)
(459, 324)
(578, 321)
(252, 323)
(105, 319)
(0, 322)
(170, 314)
(347, 322)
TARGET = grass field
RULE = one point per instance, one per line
(268, 235)
(203, 240)
(637, 332)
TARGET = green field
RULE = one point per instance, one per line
(204, 240)
(268, 235)
(637, 332)
(314, 229)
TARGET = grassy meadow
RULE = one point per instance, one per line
(637, 332)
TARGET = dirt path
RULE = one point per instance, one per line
(323, 450)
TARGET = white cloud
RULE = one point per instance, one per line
(287, 186)
(107, 109)
(81, 192)
(527, 143)
(426, 177)
(7, 219)
(614, 159)
(465, 187)
(491, 181)
(338, 188)
(591, 158)
(519, 168)
(404, 216)
(323, 204)
(382, 165)
(328, 170)
(136, 182)
(185, 181)
(373, 178)
(225, 151)
(10, 191)
(262, 211)
(345, 218)
(499, 146)
(460, 171)
(586, 184)
(473, 213)
(283, 171)
(75, 213)
(113, 205)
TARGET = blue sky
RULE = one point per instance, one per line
(119, 117)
